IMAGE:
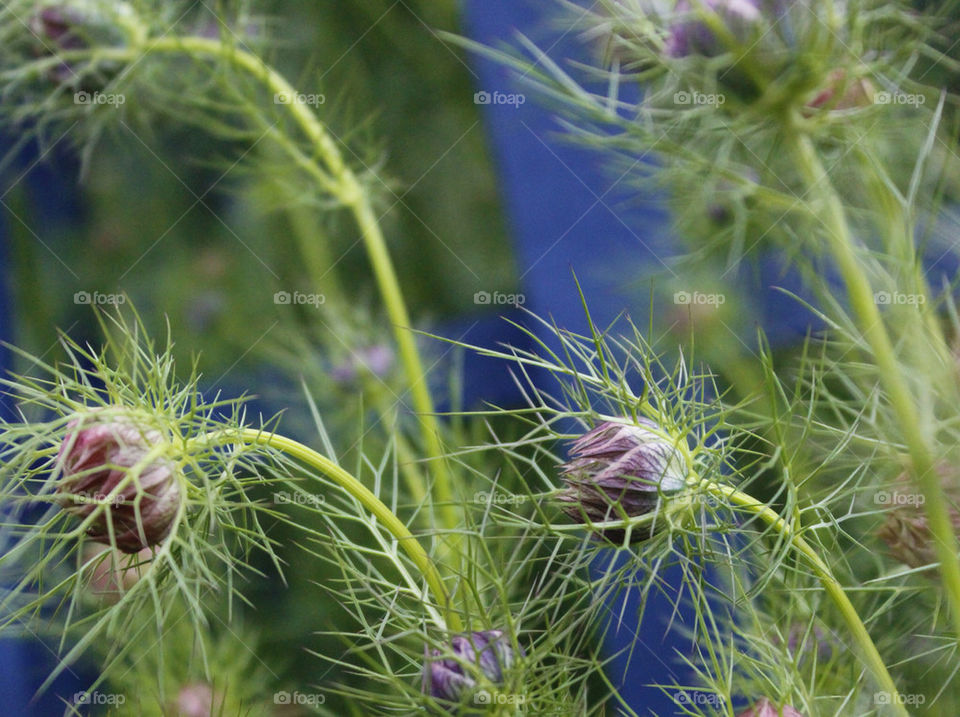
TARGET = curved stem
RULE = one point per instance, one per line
(347, 189)
(874, 330)
(833, 588)
(363, 495)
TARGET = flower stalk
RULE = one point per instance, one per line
(872, 326)
(634, 471)
(363, 495)
(732, 496)
(340, 180)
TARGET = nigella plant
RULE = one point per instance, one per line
(797, 510)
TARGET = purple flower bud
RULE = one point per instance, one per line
(692, 36)
(95, 457)
(618, 468)
(487, 654)
(803, 642)
(376, 359)
(766, 708)
(62, 28)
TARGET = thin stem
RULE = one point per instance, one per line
(874, 330)
(361, 493)
(348, 190)
(833, 588)
(320, 269)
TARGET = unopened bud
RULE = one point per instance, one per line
(448, 675)
(766, 708)
(619, 469)
(103, 474)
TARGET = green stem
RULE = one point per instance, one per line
(320, 269)
(833, 588)
(874, 330)
(364, 496)
(347, 189)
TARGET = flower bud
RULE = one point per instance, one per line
(197, 699)
(376, 359)
(906, 530)
(486, 653)
(64, 28)
(113, 574)
(766, 708)
(843, 94)
(95, 460)
(803, 642)
(692, 36)
(617, 469)
(61, 26)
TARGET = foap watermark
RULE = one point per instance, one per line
(492, 497)
(308, 699)
(896, 298)
(99, 98)
(498, 298)
(114, 500)
(696, 298)
(488, 697)
(696, 697)
(885, 698)
(114, 699)
(514, 99)
(298, 98)
(299, 298)
(698, 98)
(885, 497)
(296, 498)
(96, 298)
(694, 500)
(899, 98)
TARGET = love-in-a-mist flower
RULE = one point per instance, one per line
(448, 675)
(766, 708)
(619, 470)
(906, 530)
(691, 34)
(109, 469)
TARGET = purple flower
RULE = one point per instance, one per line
(617, 469)
(487, 654)
(766, 708)
(691, 35)
(95, 456)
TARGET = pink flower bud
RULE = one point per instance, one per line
(198, 699)
(95, 459)
(766, 708)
